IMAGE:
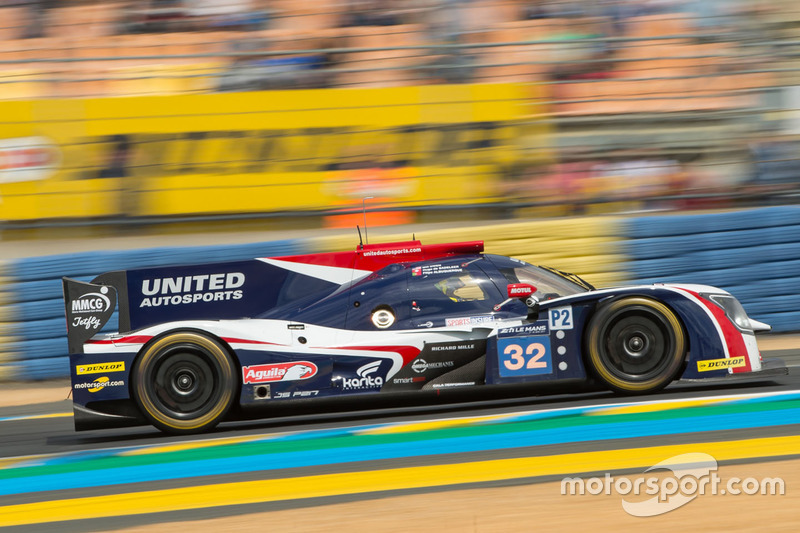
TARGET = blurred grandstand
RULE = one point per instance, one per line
(651, 104)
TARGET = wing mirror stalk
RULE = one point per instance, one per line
(524, 292)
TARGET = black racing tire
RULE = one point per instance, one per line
(184, 382)
(635, 345)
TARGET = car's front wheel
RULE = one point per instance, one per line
(635, 345)
(184, 382)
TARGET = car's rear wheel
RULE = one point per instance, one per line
(184, 382)
(635, 345)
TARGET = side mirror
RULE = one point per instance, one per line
(520, 290)
(524, 292)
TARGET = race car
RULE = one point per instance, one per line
(206, 343)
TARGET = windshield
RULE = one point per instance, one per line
(549, 283)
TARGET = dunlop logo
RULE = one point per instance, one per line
(98, 368)
(720, 364)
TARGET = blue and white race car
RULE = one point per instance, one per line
(205, 343)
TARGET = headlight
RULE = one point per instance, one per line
(733, 309)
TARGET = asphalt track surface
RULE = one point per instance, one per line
(46, 430)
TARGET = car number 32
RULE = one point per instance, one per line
(524, 356)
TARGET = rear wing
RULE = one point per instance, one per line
(89, 306)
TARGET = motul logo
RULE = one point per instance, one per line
(519, 290)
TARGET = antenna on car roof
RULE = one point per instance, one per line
(360, 242)
(364, 209)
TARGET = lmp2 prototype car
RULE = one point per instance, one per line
(205, 343)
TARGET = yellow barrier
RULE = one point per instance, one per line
(262, 151)
(561, 243)
(7, 354)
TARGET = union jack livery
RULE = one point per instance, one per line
(205, 343)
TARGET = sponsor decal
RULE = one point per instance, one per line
(290, 371)
(436, 360)
(528, 329)
(88, 307)
(405, 381)
(100, 368)
(469, 320)
(515, 290)
(98, 384)
(448, 347)
(427, 270)
(560, 318)
(296, 326)
(27, 159)
(447, 385)
(720, 364)
(192, 289)
(89, 322)
(92, 302)
(420, 365)
(392, 251)
(365, 379)
(427, 324)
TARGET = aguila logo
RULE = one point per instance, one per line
(293, 371)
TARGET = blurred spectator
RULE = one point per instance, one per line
(36, 18)
(633, 175)
(152, 16)
(775, 168)
(450, 65)
(370, 13)
(227, 14)
(250, 72)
